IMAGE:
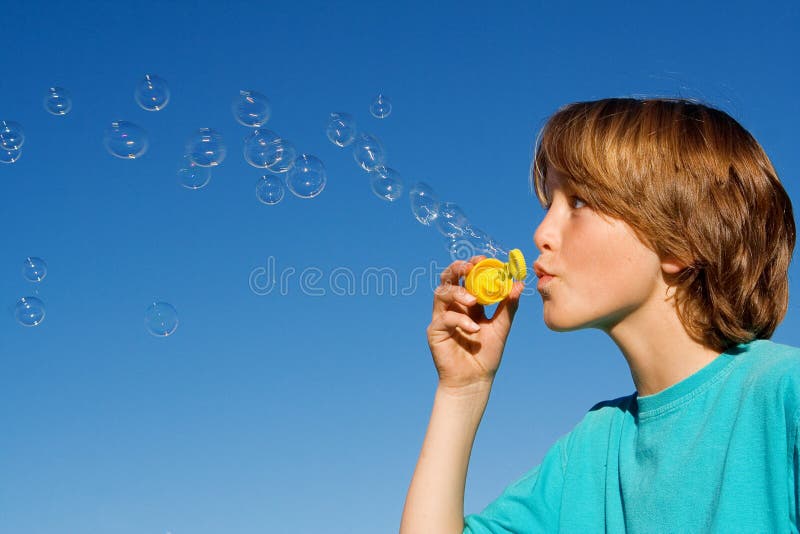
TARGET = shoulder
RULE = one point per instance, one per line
(772, 372)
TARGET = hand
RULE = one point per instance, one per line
(466, 346)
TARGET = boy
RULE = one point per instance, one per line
(667, 228)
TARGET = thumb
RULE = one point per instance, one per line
(504, 315)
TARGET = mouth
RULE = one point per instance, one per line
(540, 271)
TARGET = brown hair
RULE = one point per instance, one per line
(695, 186)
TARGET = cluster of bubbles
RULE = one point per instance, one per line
(127, 140)
(303, 174)
(29, 311)
(57, 102)
(463, 239)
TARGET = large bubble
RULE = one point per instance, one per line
(206, 148)
(251, 109)
(368, 152)
(152, 93)
(386, 183)
(341, 129)
(9, 156)
(307, 177)
(126, 140)
(451, 220)
(267, 150)
(424, 203)
(29, 311)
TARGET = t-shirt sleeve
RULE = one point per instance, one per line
(532, 502)
(794, 506)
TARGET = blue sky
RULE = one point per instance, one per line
(292, 412)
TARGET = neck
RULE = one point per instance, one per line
(665, 354)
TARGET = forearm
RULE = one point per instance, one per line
(435, 500)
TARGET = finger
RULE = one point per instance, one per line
(507, 309)
(447, 295)
(449, 320)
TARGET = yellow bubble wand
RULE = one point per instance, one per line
(491, 280)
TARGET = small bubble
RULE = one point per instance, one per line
(269, 189)
(29, 311)
(265, 149)
(206, 148)
(341, 129)
(251, 109)
(161, 319)
(126, 140)
(34, 269)
(381, 107)
(152, 93)
(57, 101)
(12, 136)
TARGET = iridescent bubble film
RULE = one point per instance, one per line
(193, 176)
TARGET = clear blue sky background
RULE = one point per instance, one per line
(295, 413)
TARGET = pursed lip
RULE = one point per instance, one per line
(540, 270)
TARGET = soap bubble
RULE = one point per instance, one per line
(9, 156)
(424, 203)
(386, 183)
(34, 269)
(381, 107)
(193, 176)
(151, 93)
(251, 109)
(57, 101)
(479, 240)
(29, 311)
(126, 140)
(206, 148)
(450, 220)
(307, 178)
(497, 249)
(265, 149)
(269, 189)
(12, 136)
(341, 129)
(368, 152)
(161, 319)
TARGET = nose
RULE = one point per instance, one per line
(546, 235)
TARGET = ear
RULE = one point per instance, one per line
(672, 266)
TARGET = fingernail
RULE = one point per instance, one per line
(474, 327)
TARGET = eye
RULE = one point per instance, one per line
(574, 200)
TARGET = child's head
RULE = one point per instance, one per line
(693, 185)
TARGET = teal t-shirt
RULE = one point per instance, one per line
(716, 452)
